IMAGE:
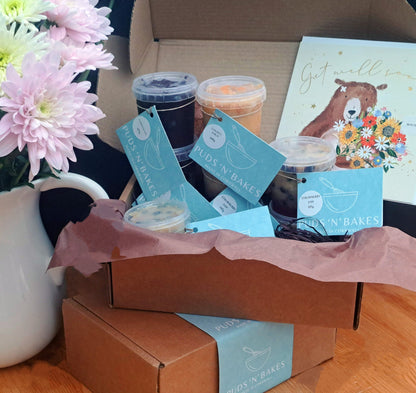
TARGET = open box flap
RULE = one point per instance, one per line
(373, 255)
(273, 20)
(215, 38)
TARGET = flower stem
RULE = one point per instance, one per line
(111, 4)
(20, 174)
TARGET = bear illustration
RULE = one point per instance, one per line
(349, 101)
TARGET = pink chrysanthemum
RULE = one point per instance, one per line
(86, 56)
(81, 20)
(47, 112)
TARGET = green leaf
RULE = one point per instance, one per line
(391, 153)
(14, 170)
(382, 155)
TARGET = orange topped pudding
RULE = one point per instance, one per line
(240, 97)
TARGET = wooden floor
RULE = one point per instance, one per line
(378, 357)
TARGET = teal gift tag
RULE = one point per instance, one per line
(237, 157)
(155, 165)
(255, 222)
(343, 201)
(253, 356)
(228, 202)
(198, 206)
(150, 154)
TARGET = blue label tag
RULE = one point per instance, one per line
(343, 201)
(236, 157)
(254, 222)
(198, 206)
(150, 154)
(253, 356)
(155, 165)
(228, 202)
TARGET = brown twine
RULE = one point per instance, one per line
(149, 110)
(290, 231)
(233, 116)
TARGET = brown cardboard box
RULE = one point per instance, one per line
(210, 284)
(212, 38)
(128, 351)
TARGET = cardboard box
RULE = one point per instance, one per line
(217, 38)
(210, 284)
(128, 351)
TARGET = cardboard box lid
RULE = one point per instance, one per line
(212, 38)
(164, 336)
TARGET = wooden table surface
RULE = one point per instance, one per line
(379, 357)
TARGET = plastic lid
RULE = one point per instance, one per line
(305, 154)
(238, 89)
(166, 216)
(160, 87)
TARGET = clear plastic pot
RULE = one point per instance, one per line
(240, 97)
(303, 154)
(173, 94)
(168, 216)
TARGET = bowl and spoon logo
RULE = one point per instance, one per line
(338, 201)
(236, 155)
(257, 359)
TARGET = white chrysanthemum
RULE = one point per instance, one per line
(15, 43)
(25, 11)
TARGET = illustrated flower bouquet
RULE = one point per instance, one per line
(372, 141)
(47, 47)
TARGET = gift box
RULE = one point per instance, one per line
(231, 275)
(212, 284)
(114, 350)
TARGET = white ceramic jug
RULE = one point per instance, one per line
(30, 295)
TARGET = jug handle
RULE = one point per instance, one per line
(78, 182)
(74, 180)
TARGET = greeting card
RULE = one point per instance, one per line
(359, 95)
